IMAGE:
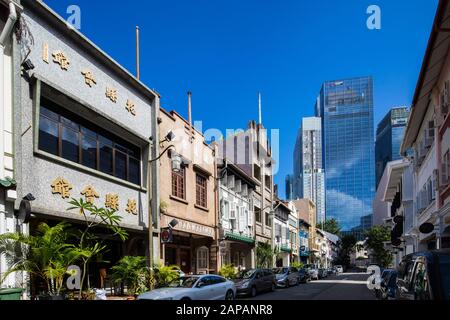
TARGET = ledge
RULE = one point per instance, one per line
(201, 208)
(178, 199)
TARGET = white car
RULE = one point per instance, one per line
(339, 269)
(201, 287)
(313, 274)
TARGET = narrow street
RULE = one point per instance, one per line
(347, 286)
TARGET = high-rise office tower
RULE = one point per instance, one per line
(346, 110)
(289, 187)
(309, 178)
(390, 133)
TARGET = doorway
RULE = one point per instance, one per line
(185, 260)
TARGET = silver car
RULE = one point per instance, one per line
(201, 287)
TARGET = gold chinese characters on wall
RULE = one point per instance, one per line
(60, 58)
(111, 93)
(131, 107)
(131, 207)
(112, 201)
(89, 78)
(90, 194)
(61, 186)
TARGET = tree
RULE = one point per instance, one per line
(89, 245)
(375, 238)
(265, 255)
(346, 246)
(332, 226)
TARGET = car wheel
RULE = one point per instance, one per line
(298, 281)
(272, 288)
(253, 292)
(287, 284)
(229, 295)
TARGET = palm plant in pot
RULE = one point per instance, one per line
(134, 273)
(45, 256)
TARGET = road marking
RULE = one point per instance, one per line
(341, 281)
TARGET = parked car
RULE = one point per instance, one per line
(199, 287)
(330, 271)
(253, 281)
(286, 276)
(384, 274)
(339, 269)
(389, 286)
(323, 273)
(313, 273)
(424, 276)
(304, 275)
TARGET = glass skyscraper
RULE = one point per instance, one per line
(390, 133)
(346, 109)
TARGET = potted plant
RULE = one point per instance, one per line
(134, 273)
(45, 256)
(165, 275)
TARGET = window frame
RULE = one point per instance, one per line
(176, 176)
(201, 190)
(79, 125)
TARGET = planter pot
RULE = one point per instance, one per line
(11, 294)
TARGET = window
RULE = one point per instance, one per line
(268, 220)
(178, 181)
(68, 136)
(258, 217)
(202, 258)
(200, 190)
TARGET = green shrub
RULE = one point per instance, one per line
(297, 265)
(228, 271)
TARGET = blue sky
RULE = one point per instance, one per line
(227, 51)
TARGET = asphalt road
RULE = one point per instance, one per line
(346, 286)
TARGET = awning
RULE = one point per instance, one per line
(285, 249)
(238, 237)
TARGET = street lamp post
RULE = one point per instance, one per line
(176, 166)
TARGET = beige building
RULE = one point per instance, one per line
(188, 197)
(306, 210)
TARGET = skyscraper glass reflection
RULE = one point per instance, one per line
(390, 133)
(346, 109)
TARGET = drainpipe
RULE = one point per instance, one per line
(4, 37)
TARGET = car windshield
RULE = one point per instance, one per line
(245, 274)
(444, 266)
(184, 282)
(280, 270)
